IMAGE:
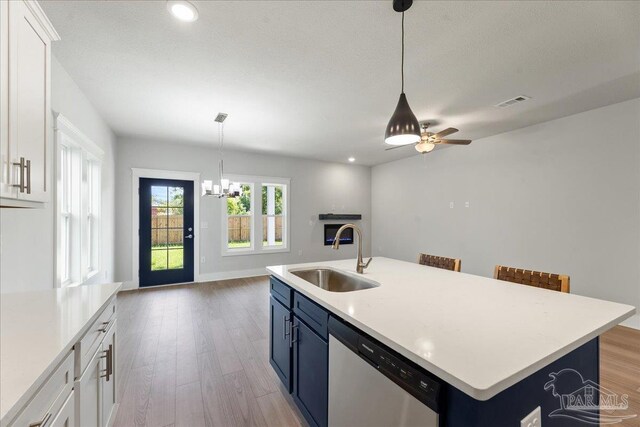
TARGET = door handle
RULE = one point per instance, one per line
(189, 236)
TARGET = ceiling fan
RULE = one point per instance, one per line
(429, 140)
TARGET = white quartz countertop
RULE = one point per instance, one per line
(481, 335)
(37, 329)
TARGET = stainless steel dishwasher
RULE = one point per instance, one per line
(372, 386)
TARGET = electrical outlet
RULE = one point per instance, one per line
(204, 225)
(450, 205)
(466, 204)
(202, 260)
(300, 252)
(534, 419)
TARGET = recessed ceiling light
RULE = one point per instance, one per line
(352, 159)
(183, 10)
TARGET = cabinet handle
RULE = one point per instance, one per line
(42, 422)
(294, 332)
(285, 327)
(21, 165)
(109, 356)
(110, 362)
(105, 327)
(28, 186)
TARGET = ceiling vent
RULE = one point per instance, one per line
(509, 102)
(220, 117)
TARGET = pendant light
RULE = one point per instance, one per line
(403, 127)
(224, 188)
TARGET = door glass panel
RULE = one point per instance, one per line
(175, 218)
(158, 196)
(176, 258)
(175, 237)
(158, 259)
(176, 196)
(167, 228)
(159, 238)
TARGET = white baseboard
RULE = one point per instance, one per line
(131, 285)
(632, 322)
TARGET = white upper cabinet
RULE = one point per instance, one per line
(25, 82)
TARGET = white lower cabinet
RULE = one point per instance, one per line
(81, 391)
(45, 405)
(109, 377)
(67, 414)
(95, 386)
(89, 394)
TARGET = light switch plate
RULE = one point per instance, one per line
(533, 419)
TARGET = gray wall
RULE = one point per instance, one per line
(27, 235)
(316, 187)
(562, 196)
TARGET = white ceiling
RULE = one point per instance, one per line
(320, 79)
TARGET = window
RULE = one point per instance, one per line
(93, 189)
(272, 215)
(65, 215)
(78, 205)
(239, 219)
(256, 221)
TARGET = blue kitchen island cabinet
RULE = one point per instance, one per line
(279, 342)
(299, 350)
(310, 370)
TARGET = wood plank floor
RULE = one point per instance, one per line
(197, 355)
(620, 368)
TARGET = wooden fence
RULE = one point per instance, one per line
(168, 229)
(240, 228)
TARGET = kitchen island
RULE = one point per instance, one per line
(491, 344)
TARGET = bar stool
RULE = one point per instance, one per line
(554, 282)
(445, 263)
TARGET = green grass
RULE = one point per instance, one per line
(159, 259)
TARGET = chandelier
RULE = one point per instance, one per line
(223, 188)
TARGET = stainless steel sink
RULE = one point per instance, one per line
(333, 280)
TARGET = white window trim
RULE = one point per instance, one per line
(256, 208)
(66, 134)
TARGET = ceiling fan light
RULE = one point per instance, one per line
(403, 127)
(425, 147)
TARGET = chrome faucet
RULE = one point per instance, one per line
(336, 245)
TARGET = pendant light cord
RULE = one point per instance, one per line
(402, 62)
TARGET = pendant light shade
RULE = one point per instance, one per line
(403, 127)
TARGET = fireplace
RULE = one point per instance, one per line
(330, 230)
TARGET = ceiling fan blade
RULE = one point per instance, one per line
(399, 146)
(447, 131)
(454, 141)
